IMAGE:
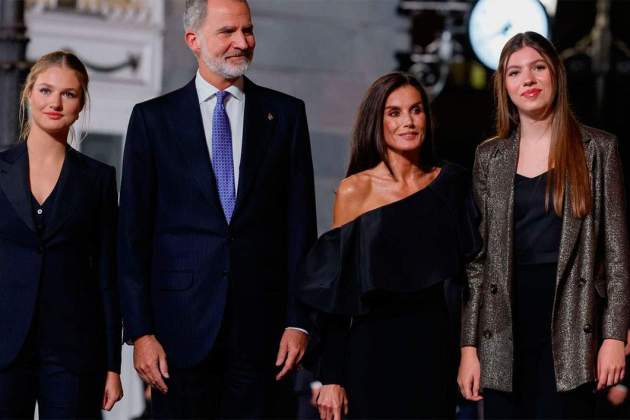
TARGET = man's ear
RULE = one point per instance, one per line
(192, 40)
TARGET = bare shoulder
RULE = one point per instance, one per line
(355, 186)
(350, 197)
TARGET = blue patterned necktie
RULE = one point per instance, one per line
(222, 161)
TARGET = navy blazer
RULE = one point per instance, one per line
(178, 257)
(75, 257)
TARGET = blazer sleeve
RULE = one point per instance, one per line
(135, 236)
(616, 313)
(475, 268)
(301, 219)
(106, 269)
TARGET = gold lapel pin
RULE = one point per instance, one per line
(270, 116)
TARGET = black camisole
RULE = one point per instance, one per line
(537, 230)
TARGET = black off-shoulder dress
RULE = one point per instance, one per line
(386, 287)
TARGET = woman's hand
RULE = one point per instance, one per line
(331, 402)
(611, 363)
(617, 395)
(113, 391)
(469, 374)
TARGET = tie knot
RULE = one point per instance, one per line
(221, 95)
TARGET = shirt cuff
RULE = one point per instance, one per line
(297, 329)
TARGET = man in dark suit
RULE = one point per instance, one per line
(217, 210)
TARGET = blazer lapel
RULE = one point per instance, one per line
(571, 226)
(15, 185)
(259, 121)
(71, 188)
(188, 126)
(503, 175)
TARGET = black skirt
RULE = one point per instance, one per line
(400, 360)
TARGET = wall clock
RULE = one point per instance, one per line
(492, 22)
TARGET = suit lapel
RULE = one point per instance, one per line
(571, 226)
(505, 170)
(188, 126)
(70, 192)
(259, 121)
(15, 185)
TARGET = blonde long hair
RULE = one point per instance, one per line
(566, 154)
(56, 58)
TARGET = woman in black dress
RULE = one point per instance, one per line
(60, 325)
(382, 279)
(546, 321)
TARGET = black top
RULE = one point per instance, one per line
(537, 230)
(47, 304)
(41, 212)
(405, 246)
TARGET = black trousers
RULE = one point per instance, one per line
(534, 384)
(226, 385)
(576, 404)
(35, 376)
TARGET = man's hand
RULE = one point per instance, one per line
(611, 363)
(149, 359)
(292, 348)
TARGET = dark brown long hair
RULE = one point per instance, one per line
(368, 147)
(566, 154)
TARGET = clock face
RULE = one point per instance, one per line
(493, 22)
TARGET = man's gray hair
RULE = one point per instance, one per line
(195, 13)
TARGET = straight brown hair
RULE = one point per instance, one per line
(566, 155)
(368, 141)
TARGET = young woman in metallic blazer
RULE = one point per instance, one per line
(548, 306)
(60, 322)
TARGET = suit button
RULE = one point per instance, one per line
(225, 273)
(581, 282)
(487, 334)
(588, 329)
(40, 249)
(494, 289)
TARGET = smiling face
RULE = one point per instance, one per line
(224, 43)
(55, 100)
(404, 121)
(529, 82)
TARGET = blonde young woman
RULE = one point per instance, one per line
(59, 317)
(546, 320)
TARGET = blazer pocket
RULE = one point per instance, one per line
(175, 280)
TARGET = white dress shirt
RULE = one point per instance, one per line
(235, 109)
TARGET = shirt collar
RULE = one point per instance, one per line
(205, 90)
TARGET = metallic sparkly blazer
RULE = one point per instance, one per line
(592, 300)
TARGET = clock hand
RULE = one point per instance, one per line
(502, 31)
